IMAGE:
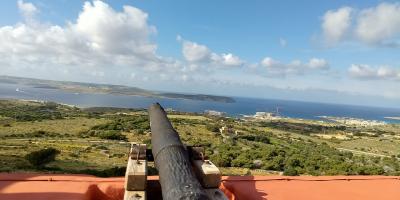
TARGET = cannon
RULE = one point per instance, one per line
(177, 179)
(184, 173)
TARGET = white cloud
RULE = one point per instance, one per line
(269, 62)
(368, 72)
(295, 67)
(317, 63)
(335, 24)
(113, 32)
(185, 77)
(231, 60)
(200, 56)
(379, 25)
(376, 26)
(194, 52)
(28, 10)
(101, 39)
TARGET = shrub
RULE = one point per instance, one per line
(242, 161)
(256, 138)
(111, 135)
(74, 155)
(102, 147)
(42, 157)
(221, 160)
(290, 171)
(110, 172)
(212, 127)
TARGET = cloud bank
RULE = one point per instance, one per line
(374, 26)
(100, 39)
(367, 72)
(274, 67)
(200, 56)
(116, 46)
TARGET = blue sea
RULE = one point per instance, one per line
(242, 106)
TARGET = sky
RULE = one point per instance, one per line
(345, 52)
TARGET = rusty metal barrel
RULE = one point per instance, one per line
(177, 179)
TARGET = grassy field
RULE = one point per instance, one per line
(96, 140)
(71, 126)
(387, 147)
(195, 117)
(75, 155)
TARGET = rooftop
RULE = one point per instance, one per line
(84, 187)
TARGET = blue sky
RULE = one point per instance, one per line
(331, 51)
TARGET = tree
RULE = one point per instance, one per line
(42, 157)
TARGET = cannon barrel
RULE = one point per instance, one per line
(177, 178)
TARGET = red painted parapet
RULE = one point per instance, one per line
(84, 187)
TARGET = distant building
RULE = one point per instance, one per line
(265, 114)
(355, 121)
(214, 113)
(169, 110)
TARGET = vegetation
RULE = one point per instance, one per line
(257, 138)
(36, 111)
(111, 135)
(213, 127)
(42, 157)
(95, 141)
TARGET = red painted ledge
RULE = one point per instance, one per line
(84, 187)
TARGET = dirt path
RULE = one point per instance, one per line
(362, 152)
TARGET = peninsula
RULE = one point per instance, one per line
(79, 87)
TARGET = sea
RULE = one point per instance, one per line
(242, 106)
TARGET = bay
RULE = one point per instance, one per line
(242, 106)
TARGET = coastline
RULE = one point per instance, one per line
(241, 107)
(97, 88)
(359, 121)
(393, 118)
